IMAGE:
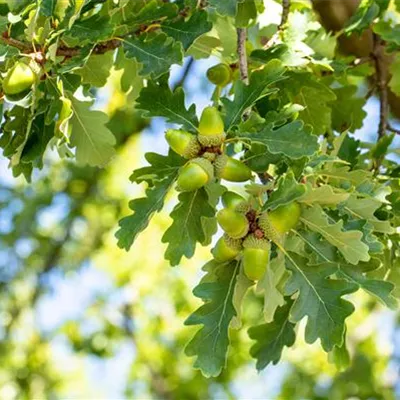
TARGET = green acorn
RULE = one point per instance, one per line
(183, 143)
(286, 217)
(194, 175)
(231, 170)
(269, 230)
(234, 224)
(19, 81)
(231, 199)
(226, 248)
(220, 74)
(211, 128)
(255, 257)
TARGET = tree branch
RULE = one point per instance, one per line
(241, 50)
(285, 14)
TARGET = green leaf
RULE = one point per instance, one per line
(349, 243)
(247, 95)
(342, 176)
(159, 101)
(186, 32)
(210, 343)
(162, 172)
(156, 52)
(323, 195)
(47, 7)
(388, 32)
(362, 19)
(271, 338)
(314, 96)
(365, 208)
(246, 12)
(288, 191)
(96, 70)
(227, 7)
(291, 140)
(130, 78)
(93, 141)
(94, 29)
(272, 284)
(243, 284)
(347, 110)
(187, 227)
(320, 299)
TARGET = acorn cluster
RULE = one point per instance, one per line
(204, 151)
(248, 232)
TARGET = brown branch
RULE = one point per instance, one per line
(241, 50)
(381, 84)
(285, 14)
(393, 129)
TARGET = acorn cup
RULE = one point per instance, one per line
(183, 143)
(194, 175)
(234, 224)
(19, 81)
(220, 74)
(231, 170)
(226, 248)
(211, 128)
(231, 199)
(255, 257)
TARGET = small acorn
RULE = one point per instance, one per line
(234, 224)
(194, 175)
(231, 199)
(268, 228)
(226, 248)
(285, 217)
(231, 170)
(255, 257)
(211, 128)
(183, 143)
(220, 74)
(19, 81)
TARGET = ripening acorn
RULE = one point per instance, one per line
(285, 217)
(211, 128)
(255, 257)
(220, 74)
(194, 175)
(183, 143)
(226, 248)
(18, 81)
(234, 224)
(231, 170)
(231, 199)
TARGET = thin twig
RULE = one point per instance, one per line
(185, 73)
(241, 50)
(393, 129)
(285, 14)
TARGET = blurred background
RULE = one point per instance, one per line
(82, 319)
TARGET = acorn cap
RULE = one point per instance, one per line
(233, 243)
(243, 207)
(269, 231)
(209, 156)
(231, 169)
(226, 249)
(211, 140)
(252, 242)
